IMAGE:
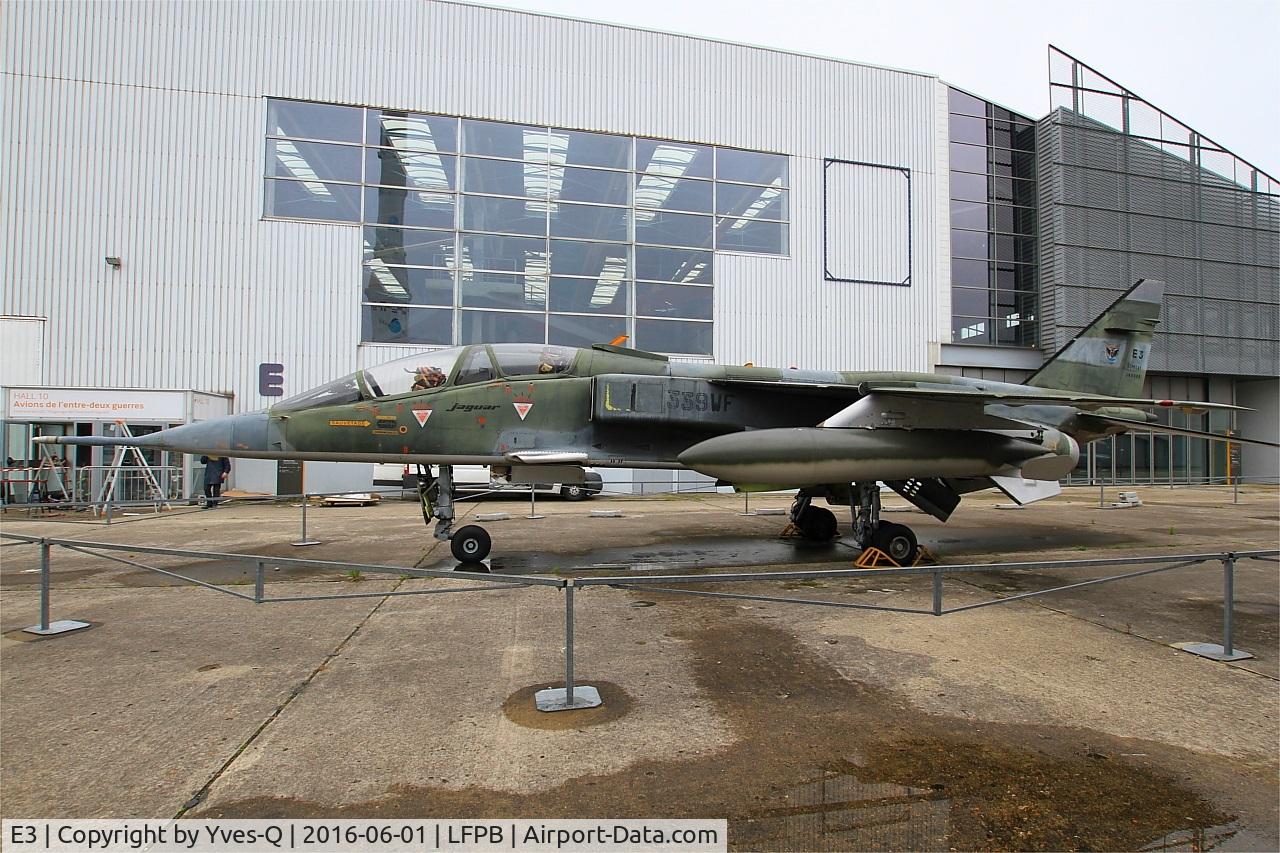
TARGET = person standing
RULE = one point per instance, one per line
(216, 470)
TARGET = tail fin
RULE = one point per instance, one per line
(1110, 356)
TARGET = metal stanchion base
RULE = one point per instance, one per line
(62, 626)
(535, 517)
(553, 699)
(305, 542)
(1212, 651)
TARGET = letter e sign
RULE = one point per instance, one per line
(271, 379)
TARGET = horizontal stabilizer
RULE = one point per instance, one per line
(1027, 491)
(1172, 430)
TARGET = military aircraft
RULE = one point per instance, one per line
(538, 413)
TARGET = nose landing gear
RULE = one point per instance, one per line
(470, 543)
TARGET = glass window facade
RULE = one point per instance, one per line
(995, 288)
(490, 231)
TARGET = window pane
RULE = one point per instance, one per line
(971, 330)
(579, 148)
(968, 158)
(312, 161)
(314, 121)
(673, 159)
(418, 169)
(751, 167)
(584, 331)
(968, 273)
(589, 185)
(313, 200)
(1016, 277)
(969, 244)
(504, 177)
(498, 290)
(959, 102)
(589, 222)
(673, 193)
(1020, 249)
(970, 300)
(968, 214)
(971, 187)
(414, 248)
(681, 265)
(673, 229)
(674, 336)
(510, 215)
(399, 325)
(480, 327)
(414, 208)
(757, 202)
(749, 235)
(671, 300)
(968, 129)
(504, 254)
(412, 131)
(587, 296)
(476, 367)
(518, 142)
(407, 285)
(601, 261)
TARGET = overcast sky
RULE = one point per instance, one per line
(1214, 66)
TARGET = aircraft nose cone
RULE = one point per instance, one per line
(247, 432)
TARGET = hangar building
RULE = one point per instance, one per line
(246, 200)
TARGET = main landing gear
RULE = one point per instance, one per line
(818, 524)
(470, 543)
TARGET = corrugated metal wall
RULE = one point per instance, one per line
(136, 130)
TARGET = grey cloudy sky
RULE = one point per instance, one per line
(1214, 66)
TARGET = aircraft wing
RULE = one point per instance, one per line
(1172, 430)
(1055, 398)
(976, 394)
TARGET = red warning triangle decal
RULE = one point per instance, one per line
(422, 414)
(522, 409)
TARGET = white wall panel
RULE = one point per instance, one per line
(136, 130)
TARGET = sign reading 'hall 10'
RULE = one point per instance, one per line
(271, 379)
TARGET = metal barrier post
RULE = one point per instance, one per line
(533, 503)
(47, 628)
(570, 697)
(1228, 601)
(937, 592)
(568, 644)
(304, 540)
(108, 509)
(1227, 651)
(258, 582)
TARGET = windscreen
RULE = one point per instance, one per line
(420, 372)
(335, 393)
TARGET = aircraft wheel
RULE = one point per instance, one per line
(898, 541)
(470, 544)
(574, 492)
(817, 523)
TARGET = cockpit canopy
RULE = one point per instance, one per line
(443, 368)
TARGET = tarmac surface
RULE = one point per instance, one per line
(1062, 722)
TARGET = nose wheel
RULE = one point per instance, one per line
(469, 544)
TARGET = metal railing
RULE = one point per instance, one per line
(667, 584)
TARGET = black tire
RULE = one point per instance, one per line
(470, 544)
(898, 541)
(574, 492)
(817, 524)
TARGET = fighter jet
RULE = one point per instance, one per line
(539, 413)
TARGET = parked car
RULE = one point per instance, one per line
(479, 478)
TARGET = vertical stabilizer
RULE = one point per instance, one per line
(1110, 356)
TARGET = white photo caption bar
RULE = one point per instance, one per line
(362, 836)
